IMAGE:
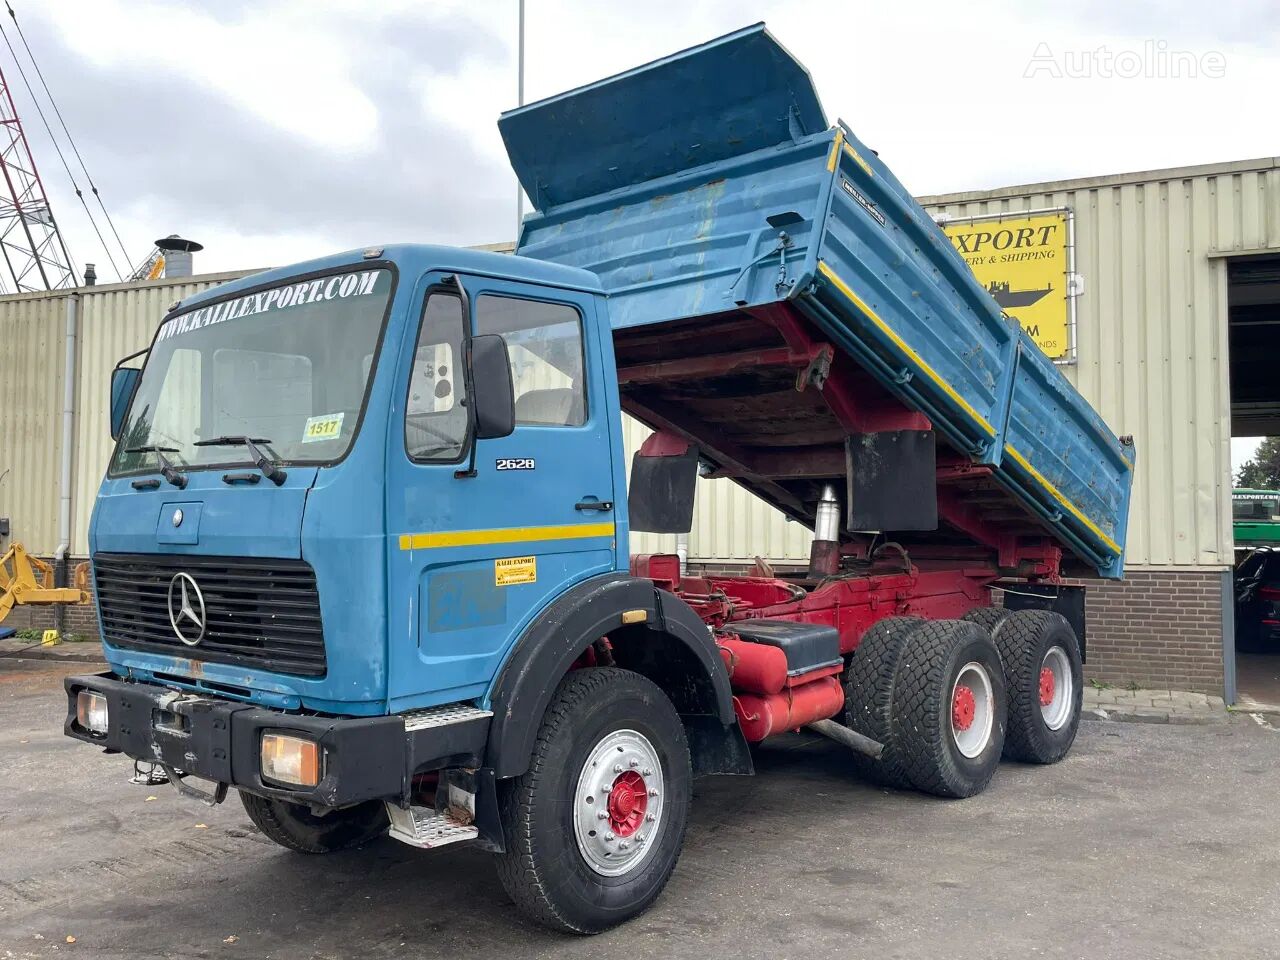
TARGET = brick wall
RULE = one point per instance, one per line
(1156, 628)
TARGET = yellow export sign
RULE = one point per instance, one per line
(1022, 263)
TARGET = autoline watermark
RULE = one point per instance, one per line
(1153, 61)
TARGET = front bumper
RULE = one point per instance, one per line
(365, 758)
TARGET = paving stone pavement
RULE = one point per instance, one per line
(1152, 706)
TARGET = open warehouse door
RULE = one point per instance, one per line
(1253, 305)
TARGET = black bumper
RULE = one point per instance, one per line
(365, 758)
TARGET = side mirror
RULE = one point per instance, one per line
(124, 380)
(493, 395)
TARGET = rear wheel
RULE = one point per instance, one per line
(868, 694)
(1045, 678)
(949, 708)
(988, 618)
(294, 826)
(594, 828)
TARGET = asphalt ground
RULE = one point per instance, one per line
(1149, 841)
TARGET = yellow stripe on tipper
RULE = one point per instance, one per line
(1058, 495)
(857, 158)
(472, 538)
(835, 150)
(902, 345)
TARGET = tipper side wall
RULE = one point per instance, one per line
(814, 221)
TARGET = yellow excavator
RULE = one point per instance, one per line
(28, 581)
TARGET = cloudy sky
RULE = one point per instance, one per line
(275, 130)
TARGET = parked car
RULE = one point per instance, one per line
(1257, 600)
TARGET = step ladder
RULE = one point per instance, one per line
(426, 827)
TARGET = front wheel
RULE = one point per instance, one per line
(294, 826)
(594, 828)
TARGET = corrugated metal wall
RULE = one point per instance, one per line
(1152, 331)
(32, 347)
(115, 321)
(1151, 347)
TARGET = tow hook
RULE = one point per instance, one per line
(179, 780)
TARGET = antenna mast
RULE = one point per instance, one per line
(30, 244)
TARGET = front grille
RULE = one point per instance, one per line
(261, 613)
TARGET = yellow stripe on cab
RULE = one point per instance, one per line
(473, 538)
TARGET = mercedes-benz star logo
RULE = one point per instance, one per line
(186, 609)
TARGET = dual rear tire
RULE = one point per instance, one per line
(1044, 674)
(949, 698)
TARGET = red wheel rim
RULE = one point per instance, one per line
(628, 801)
(963, 707)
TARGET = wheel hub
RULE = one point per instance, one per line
(1046, 686)
(618, 806)
(963, 707)
(1057, 689)
(972, 709)
(628, 801)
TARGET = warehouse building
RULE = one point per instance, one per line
(1158, 292)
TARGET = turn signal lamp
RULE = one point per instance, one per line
(290, 760)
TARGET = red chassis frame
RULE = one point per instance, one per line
(851, 604)
(934, 580)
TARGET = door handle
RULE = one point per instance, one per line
(593, 505)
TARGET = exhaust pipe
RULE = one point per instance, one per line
(855, 741)
(824, 555)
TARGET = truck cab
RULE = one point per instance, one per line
(357, 574)
(362, 516)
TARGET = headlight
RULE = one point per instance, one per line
(292, 760)
(91, 711)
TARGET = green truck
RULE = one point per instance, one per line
(1255, 518)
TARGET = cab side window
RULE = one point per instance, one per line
(544, 343)
(435, 419)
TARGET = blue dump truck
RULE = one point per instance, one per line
(361, 552)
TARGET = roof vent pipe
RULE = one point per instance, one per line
(177, 255)
(90, 275)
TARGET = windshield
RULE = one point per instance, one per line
(1254, 508)
(286, 366)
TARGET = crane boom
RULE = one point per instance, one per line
(30, 244)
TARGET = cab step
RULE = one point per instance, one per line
(425, 828)
(447, 715)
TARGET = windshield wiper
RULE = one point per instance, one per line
(167, 469)
(260, 459)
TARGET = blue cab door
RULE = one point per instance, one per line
(472, 559)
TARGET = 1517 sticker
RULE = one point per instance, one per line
(508, 571)
(324, 427)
